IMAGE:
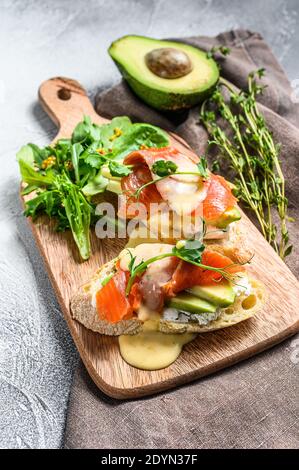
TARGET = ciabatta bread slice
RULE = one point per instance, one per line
(84, 310)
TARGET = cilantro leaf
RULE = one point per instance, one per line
(189, 250)
(118, 169)
(95, 160)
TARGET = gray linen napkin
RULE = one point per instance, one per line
(255, 403)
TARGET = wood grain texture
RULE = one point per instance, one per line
(210, 352)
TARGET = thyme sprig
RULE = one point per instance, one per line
(253, 155)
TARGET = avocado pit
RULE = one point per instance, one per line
(168, 62)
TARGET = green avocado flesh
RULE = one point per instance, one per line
(191, 303)
(229, 216)
(129, 54)
(114, 186)
(221, 294)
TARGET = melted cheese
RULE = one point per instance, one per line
(150, 349)
(183, 193)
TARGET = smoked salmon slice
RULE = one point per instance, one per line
(184, 194)
(187, 275)
(112, 303)
(219, 199)
(161, 280)
(131, 183)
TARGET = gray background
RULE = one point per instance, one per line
(38, 40)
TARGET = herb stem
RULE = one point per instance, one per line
(252, 154)
(144, 264)
(138, 191)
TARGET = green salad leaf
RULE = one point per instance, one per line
(95, 185)
(118, 169)
(78, 212)
(67, 175)
(32, 177)
(139, 136)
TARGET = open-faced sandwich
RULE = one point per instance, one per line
(157, 296)
(176, 196)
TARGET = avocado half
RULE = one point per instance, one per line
(129, 53)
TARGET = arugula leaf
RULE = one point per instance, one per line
(76, 176)
(76, 150)
(202, 166)
(78, 212)
(32, 177)
(118, 169)
(164, 167)
(45, 201)
(29, 188)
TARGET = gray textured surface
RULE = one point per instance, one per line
(40, 39)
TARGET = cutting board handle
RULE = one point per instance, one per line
(66, 102)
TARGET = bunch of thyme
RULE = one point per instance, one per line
(252, 154)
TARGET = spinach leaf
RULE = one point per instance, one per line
(111, 132)
(139, 136)
(86, 131)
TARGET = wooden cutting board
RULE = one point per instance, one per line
(66, 102)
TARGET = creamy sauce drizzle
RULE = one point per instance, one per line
(150, 349)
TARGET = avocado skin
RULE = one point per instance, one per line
(163, 100)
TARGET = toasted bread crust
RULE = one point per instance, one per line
(83, 311)
(235, 247)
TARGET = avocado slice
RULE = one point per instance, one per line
(229, 216)
(221, 294)
(135, 57)
(114, 186)
(190, 303)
